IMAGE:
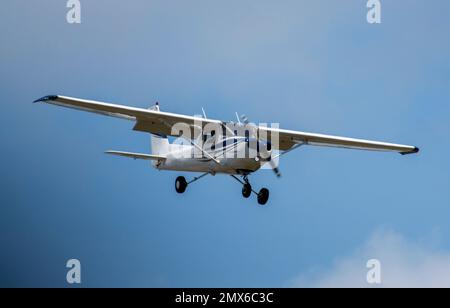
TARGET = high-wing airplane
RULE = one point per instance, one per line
(214, 147)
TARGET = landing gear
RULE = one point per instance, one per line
(180, 184)
(247, 190)
(263, 196)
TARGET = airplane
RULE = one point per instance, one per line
(211, 147)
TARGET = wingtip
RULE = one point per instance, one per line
(413, 151)
(46, 98)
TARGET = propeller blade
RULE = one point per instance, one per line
(275, 168)
(244, 119)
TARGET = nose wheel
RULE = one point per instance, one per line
(247, 190)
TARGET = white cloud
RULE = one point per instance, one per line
(404, 263)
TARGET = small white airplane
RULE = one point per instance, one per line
(214, 147)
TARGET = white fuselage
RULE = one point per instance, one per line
(230, 158)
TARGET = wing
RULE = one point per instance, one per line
(147, 120)
(288, 139)
(159, 122)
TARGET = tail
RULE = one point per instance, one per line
(159, 143)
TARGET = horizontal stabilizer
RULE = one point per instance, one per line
(136, 155)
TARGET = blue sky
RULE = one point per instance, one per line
(309, 65)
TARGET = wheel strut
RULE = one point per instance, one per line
(181, 184)
(244, 182)
(198, 178)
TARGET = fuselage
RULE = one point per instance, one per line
(233, 156)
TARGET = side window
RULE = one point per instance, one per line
(213, 140)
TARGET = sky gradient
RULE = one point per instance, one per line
(315, 66)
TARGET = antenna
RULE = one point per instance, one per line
(155, 107)
(204, 113)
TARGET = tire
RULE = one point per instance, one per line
(246, 190)
(263, 196)
(180, 184)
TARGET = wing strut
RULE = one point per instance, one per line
(291, 149)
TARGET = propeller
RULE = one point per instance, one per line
(265, 155)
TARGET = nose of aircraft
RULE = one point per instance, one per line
(264, 153)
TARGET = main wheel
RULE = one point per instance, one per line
(246, 190)
(263, 196)
(180, 184)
